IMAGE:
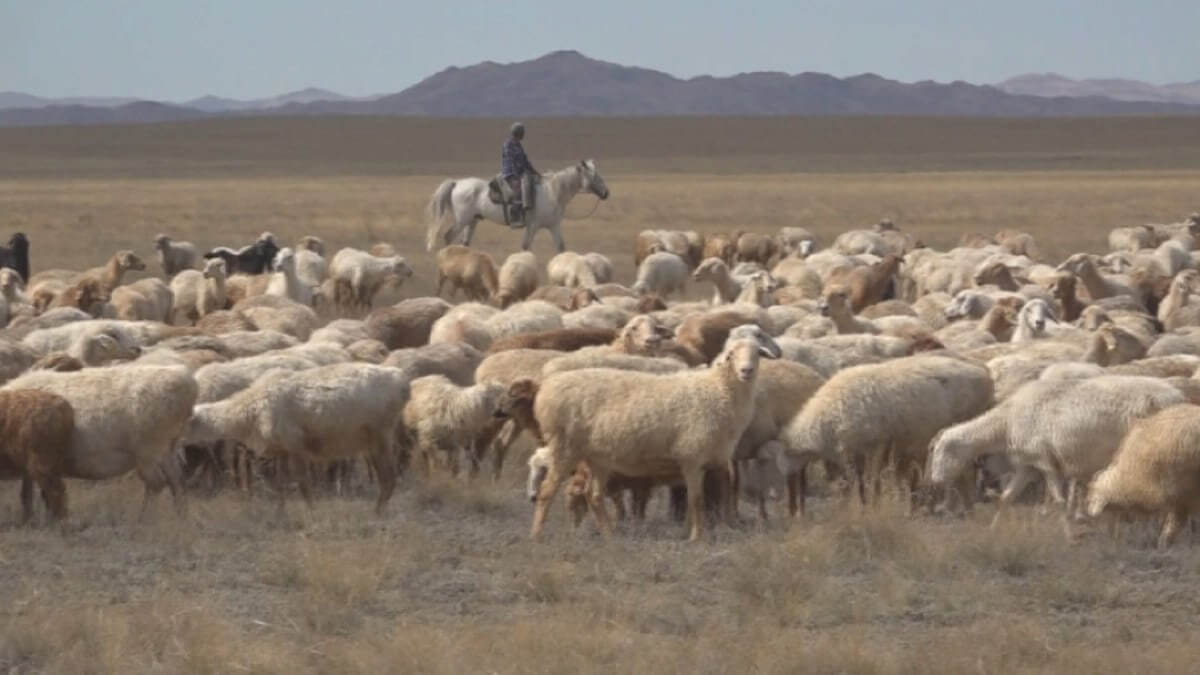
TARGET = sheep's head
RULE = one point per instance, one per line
(268, 237)
(539, 466)
(833, 301)
(710, 269)
(128, 260)
(745, 345)
(90, 296)
(764, 282)
(1098, 492)
(1092, 317)
(400, 268)
(643, 335)
(650, 303)
(1063, 287)
(265, 249)
(806, 247)
(214, 268)
(580, 298)
(965, 303)
(311, 243)
(655, 247)
(10, 282)
(161, 242)
(992, 273)
(1188, 281)
(103, 348)
(1036, 314)
(885, 225)
(1076, 263)
(949, 456)
(285, 260)
(19, 242)
(516, 398)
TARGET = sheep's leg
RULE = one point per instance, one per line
(1175, 519)
(508, 435)
(693, 477)
(1022, 477)
(678, 503)
(735, 495)
(27, 499)
(641, 498)
(860, 476)
(544, 497)
(303, 478)
(54, 493)
(595, 498)
(382, 458)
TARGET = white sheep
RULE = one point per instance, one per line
(602, 267)
(285, 284)
(1066, 430)
(518, 278)
(217, 381)
(661, 274)
(716, 272)
(175, 256)
(126, 418)
(198, 293)
(639, 424)
(1131, 238)
(571, 270)
(311, 266)
(865, 414)
(796, 241)
(441, 416)
(455, 360)
(326, 413)
(365, 273)
(1156, 471)
(145, 299)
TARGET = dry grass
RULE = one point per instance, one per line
(446, 581)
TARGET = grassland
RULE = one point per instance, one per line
(446, 581)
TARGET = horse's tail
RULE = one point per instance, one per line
(439, 213)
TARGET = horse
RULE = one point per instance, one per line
(457, 205)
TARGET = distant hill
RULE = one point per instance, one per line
(1052, 84)
(567, 83)
(16, 99)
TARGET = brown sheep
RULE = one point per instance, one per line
(701, 337)
(1063, 290)
(569, 299)
(35, 431)
(754, 247)
(720, 246)
(87, 294)
(468, 270)
(58, 361)
(224, 321)
(866, 286)
(562, 339)
(646, 243)
(406, 323)
(998, 275)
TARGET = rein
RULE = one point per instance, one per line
(589, 213)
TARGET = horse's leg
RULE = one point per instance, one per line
(527, 239)
(556, 233)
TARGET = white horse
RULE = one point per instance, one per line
(458, 205)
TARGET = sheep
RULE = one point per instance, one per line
(107, 276)
(407, 323)
(645, 243)
(252, 259)
(53, 318)
(15, 255)
(367, 351)
(219, 381)
(366, 273)
(174, 256)
(562, 339)
(284, 283)
(864, 413)
(311, 267)
(322, 414)
(571, 270)
(126, 418)
(1178, 365)
(661, 274)
(630, 423)
(1033, 322)
(796, 241)
(836, 305)
(602, 267)
(604, 315)
(702, 336)
(995, 326)
(35, 430)
(87, 294)
(1063, 429)
(565, 298)
(13, 302)
(198, 293)
(518, 278)
(716, 271)
(1155, 471)
(853, 242)
(94, 349)
(866, 285)
(1177, 308)
(759, 248)
(468, 270)
(254, 342)
(271, 312)
(442, 416)
(1097, 286)
(456, 361)
(1131, 238)
(797, 274)
(721, 247)
(15, 358)
(145, 300)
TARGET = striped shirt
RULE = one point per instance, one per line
(513, 161)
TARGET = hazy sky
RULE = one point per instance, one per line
(178, 49)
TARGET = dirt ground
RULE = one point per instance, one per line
(447, 581)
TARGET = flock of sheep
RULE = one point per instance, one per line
(959, 374)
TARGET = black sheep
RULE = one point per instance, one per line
(256, 258)
(16, 255)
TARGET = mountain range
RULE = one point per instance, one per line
(567, 83)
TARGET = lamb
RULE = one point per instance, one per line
(366, 273)
(456, 361)
(1063, 429)
(571, 270)
(252, 259)
(629, 423)
(15, 255)
(661, 274)
(759, 248)
(441, 416)
(864, 412)
(836, 306)
(126, 418)
(198, 293)
(467, 270)
(1097, 286)
(716, 271)
(323, 414)
(407, 323)
(143, 300)
(109, 275)
(518, 278)
(1131, 239)
(35, 430)
(1155, 471)
(174, 256)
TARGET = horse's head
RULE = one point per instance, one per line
(592, 182)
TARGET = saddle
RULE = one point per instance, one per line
(502, 194)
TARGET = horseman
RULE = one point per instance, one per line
(517, 170)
